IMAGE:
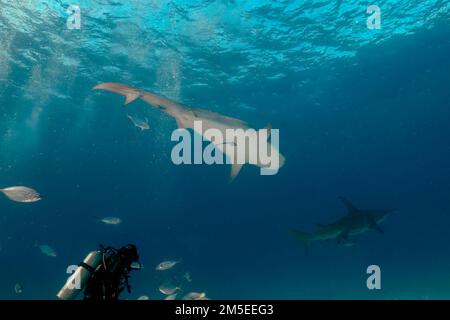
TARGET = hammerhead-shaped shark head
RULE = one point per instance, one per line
(186, 117)
(356, 221)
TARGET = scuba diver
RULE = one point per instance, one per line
(103, 274)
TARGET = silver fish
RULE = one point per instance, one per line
(171, 297)
(144, 298)
(166, 265)
(168, 289)
(187, 276)
(195, 296)
(47, 250)
(143, 125)
(18, 288)
(111, 220)
(21, 194)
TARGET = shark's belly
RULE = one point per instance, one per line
(242, 145)
(358, 230)
(329, 235)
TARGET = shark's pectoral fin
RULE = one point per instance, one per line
(377, 227)
(180, 124)
(235, 169)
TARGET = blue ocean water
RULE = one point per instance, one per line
(362, 113)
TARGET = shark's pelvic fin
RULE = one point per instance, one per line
(235, 169)
(351, 209)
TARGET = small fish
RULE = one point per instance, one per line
(168, 289)
(144, 298)
(143, 125)
(111, 220)
(187, 276)
(171, 297)
(166, 265)
(195, 296)
(21, 194)
(47, 250)
(18, 288)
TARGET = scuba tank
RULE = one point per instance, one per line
(111, 276)
(78, 280)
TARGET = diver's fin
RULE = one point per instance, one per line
(305, 237)
(351, 209)
(235, 169)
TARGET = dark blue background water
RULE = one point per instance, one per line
(361, 113)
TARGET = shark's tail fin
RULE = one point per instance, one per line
(305, 237)
(128, 92)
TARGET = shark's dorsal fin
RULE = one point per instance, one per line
(130, 97)
(351, 209)
(130, 93)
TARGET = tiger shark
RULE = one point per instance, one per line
(357, 221)
(188, 118)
